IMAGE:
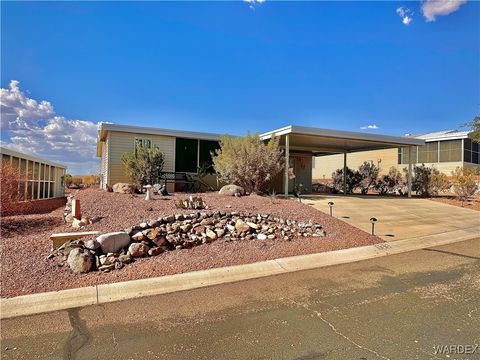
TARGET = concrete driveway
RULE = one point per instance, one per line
(402, 306)
(398, 218)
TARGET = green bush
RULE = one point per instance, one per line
(248, 162)
(353, 180)
(144, 167)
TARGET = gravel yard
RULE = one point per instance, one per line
(25, 240)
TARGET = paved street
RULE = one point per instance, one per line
(398, 218)
(394, 307)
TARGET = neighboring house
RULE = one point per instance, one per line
(443, 150)
(43, 178)
(186, 151)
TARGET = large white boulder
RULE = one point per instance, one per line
(113, 242)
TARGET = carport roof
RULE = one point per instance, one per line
(326, 141)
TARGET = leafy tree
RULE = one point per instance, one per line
(353, 180)
(248, 162)
(464, 184)
(145, 166)
(369, 173)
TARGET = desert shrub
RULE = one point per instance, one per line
(369, 175)
(427, 181)
(464, 184)
(76, 181)
(390, 183)
(67, 180)
(353, 180)
(145, 166)
(248, 162)
(10, 177)
(90, 180)
(440, 183)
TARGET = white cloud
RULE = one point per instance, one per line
(371, 127)
(433, 8)
(406, 14)
(33, 128)
(252, 3)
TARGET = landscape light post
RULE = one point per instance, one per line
(373, 221)
(330, 204)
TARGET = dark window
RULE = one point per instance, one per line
(467, 144)
(467, 156)
(475, 158)
(186, 155)
(475, 146)
(206, 150)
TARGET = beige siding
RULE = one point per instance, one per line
(326, 165)
(120, 143)
(385, 159)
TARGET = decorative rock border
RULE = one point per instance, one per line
(178, 231)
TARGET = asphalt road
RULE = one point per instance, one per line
(395, 307)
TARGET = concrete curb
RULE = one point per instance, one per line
(105, 293)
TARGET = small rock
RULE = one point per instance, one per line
(220, 232)
(155, 251)
(125, 258)
(262, 237)
(212, 235)
(138, 236)
(138, 249)
(113, 242)
(77, 224)
(241, 226)
(91, 244)
(80, 260)
(252, 225)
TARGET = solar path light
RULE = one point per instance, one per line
(373, 221)
(330, 204)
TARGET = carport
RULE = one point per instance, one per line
(319, 142)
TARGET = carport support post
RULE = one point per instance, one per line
(345, 173)
(409, 176)
(287, 155)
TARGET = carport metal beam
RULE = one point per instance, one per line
(287, 161)
(345, 173)
(409, 176)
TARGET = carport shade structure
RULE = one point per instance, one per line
(320, 142)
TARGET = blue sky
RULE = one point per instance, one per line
(234, 66)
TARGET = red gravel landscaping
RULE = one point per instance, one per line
(25, 240)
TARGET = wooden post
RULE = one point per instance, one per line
(76, 213)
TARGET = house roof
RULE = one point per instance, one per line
(443, 135)
(327, 141)
(103, 128)
(6, 151)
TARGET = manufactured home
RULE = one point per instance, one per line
(185, 151)
(443, 150)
